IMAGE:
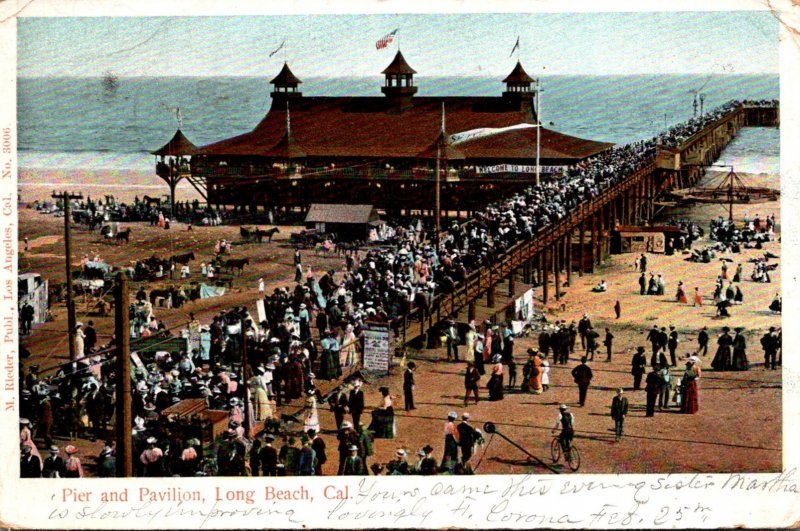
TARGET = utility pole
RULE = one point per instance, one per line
(124, 411)
(66, 197)
(438, 197)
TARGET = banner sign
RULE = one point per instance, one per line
(481, 132)
(519, 168)
(377, 348)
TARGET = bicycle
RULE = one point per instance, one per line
(573, 457)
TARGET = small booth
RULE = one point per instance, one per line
(636, 239)
(348, 222)
(193, 419)
(32, 289)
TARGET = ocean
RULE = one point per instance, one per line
(82, 123)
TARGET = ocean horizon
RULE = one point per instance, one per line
(85, 122)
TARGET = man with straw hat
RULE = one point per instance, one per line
(54, 465)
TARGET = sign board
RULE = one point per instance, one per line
(523, 306)
(377, 348)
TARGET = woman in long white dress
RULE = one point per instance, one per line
(545, 372)
(348, 353)
(311, 421)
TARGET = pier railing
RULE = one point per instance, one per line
(484, 278)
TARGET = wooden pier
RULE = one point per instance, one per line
(578, 243)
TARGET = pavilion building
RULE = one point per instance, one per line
(383, 150)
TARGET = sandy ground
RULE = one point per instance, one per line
(738, 427)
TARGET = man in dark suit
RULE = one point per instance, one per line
(356, 403)
(268, 456)
(652, 385)
(653, 336)
(672, 345)
(408, 385)
(30, 466)
(90, 340)
(318, 445)
(582, 375)
(54, 465)
(467, 436)
(702, 341)
(619, 410)
(642, 285)
(770, 344)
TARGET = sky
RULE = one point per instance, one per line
(434, 45)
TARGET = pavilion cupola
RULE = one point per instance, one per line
(519, 93)
(285, 87)
(399, 84)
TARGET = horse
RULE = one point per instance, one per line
(236, 263)
(123, 235)
(269, 233)
(150, 200)
(245, 233)
(182, 259)
(163, 293)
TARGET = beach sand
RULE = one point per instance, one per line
(738, 427)
(39, 184)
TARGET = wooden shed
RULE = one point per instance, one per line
(636, 239)
(347, 222)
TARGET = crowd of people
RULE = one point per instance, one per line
(383, 286)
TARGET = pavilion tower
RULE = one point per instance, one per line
(286, 84)
(519, 94)
(399, 85)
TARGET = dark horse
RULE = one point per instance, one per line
(150, 200)
(123, 235)
(183, 259)
(268, 234)
(236, 263)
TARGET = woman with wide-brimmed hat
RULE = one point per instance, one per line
(495, 384)
(72, 467)
(690, 399)
(739, 360)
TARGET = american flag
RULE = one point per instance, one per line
(386, 40)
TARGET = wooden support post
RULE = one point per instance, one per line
(66, 197)
(490, 296)
(511, 283)
(568, 251)
(471, 311)
(581, 245)
(557, 269)
(526, 272)
(124, 405)
(613, 213)
(545, 275)
(593, 241)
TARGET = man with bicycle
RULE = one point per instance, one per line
(567, 422)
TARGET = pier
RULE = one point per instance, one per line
(578, 243)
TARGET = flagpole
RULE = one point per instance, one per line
(539, 128)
